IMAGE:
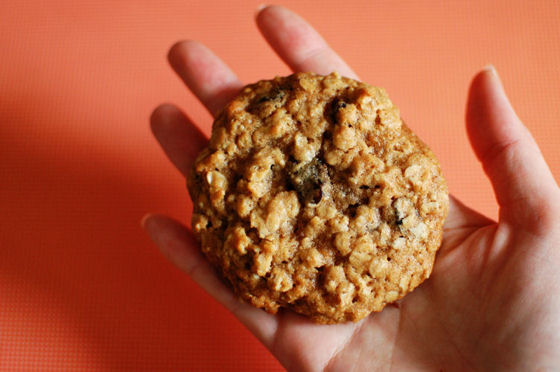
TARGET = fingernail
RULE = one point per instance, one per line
(490, 68)
(259, 8)
(144, 219)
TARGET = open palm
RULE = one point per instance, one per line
(492, 300)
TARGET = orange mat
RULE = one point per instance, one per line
(81, 285)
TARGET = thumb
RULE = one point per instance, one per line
(523, 184)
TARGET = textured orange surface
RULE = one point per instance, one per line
(81, 286)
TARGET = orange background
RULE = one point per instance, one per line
(81, 285)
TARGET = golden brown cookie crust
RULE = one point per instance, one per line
(313, 195)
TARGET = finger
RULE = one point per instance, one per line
(206, 75)
(298, 44)
(512, 160)
(178, 245)
(180, 139)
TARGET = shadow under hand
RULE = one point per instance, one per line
(83, 286)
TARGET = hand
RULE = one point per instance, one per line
(493, 300)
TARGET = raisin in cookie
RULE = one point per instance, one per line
(313, 195)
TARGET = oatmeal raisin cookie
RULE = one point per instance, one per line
(313, 195)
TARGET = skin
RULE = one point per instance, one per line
(493, 300)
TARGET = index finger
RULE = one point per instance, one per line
(298, 44)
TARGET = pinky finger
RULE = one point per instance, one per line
(178, 245)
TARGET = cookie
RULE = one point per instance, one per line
(313, 195)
